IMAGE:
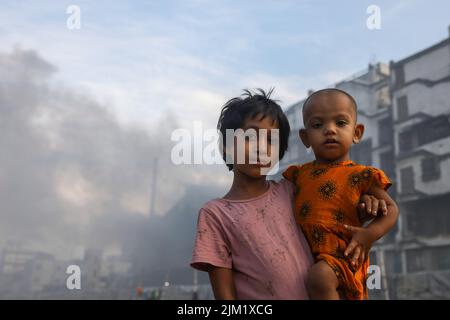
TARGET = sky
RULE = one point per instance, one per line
(85, 112)
(145, 58)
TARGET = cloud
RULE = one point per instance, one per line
(67, 163)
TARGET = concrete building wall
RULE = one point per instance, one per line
(432, 65)
(429, 100)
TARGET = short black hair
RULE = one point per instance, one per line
(237, 110)
(330, 90)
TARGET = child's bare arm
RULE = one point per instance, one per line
(364, 237)
(382, 224)
(222, 283)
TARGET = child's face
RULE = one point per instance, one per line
(260, 144)
(330, 127)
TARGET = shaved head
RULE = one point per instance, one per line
(330, 94)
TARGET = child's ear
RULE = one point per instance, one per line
(359, 132)
(304, 137)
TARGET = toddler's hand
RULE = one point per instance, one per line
(359, 246)
(369, 207)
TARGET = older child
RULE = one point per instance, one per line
(328, 190)
(248, 240)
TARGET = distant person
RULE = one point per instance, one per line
(248, 241)
(328, 190)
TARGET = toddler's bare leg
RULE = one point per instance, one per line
(322, 283)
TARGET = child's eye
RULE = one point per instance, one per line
(341, 123)
(316, 125)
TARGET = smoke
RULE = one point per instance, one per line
(70, 173)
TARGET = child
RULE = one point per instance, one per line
(248, 240)
(327, 191)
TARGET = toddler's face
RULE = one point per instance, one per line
(330, 123)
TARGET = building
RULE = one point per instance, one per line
(24, 273)
(420, 89)
(405, 107)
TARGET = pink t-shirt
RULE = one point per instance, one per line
(259, 240)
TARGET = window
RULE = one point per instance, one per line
(387, 163)
(385, 131)
(434, 129)
(402, 108)
(415, 260)
(434, 258)
(383, 98)
(392, 261)
(440, 258)
(430, 169)
(407, 180)
(407, 141)
(399, 76)
(428, 131)
(428, 217)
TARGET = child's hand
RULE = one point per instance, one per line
(359, 246)
(369, 206)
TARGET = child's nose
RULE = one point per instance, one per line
(329, 129)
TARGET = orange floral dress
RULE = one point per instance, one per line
(326, 198)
